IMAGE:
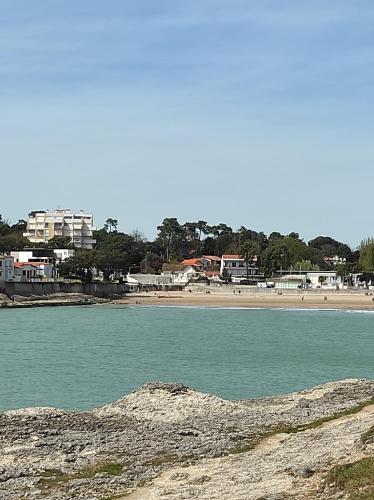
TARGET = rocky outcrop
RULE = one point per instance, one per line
(55, 299)
(168, 441)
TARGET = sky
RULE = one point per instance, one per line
(247, 112)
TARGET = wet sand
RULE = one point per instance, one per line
(307, 300)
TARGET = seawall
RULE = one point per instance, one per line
(27, 289)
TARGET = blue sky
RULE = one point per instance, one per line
(255, 113)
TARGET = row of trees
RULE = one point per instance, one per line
(117, 252)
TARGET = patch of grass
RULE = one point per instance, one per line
(245, 445)
(53, 478)
(250, 442)
(317, 423)
(355, 479)
(368, 436)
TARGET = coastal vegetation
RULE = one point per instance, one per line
(248, 443)
(54, 478)
(116, 252)
(354, 479)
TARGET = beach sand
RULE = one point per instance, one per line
(307, 300)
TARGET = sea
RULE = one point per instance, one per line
(84, 357)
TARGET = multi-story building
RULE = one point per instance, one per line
(43, 226)
(6, 268)
(236, 267)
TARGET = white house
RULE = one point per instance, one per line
(34, 255)
(184, 276)
(6, 268)
(43, 226)
(324, 279)
(33, 271)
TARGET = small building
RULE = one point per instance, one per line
(34, 255)
(180, 274)
(189, 273)
(199, 263)
(324, 279)
(204, 263)
(33, 271)
(290, 282)
(6, 268)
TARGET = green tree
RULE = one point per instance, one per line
(80, 266)
(248, 251)
(111, 261)
(366, 261)
(328, 247)
(190, 230)
(344, 271)
(60, 242)
(19, 227)
(152, 263)
(111, 224)
(276, 256)
(13, 241)
(306, 265)
(171, 234)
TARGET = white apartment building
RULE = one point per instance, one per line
(43, 226)
(6, 268)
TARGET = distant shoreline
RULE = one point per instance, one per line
(330, 300)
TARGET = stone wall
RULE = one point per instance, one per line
(47, 288)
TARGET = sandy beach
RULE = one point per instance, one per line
(307, 300)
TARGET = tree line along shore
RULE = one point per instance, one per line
(116, 253)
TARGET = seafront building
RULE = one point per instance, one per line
(236, 267)
(33, 271)
(309, 279)
(43, 226)
(6, 268)
(51, 255)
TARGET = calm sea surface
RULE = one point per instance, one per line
(82, 357)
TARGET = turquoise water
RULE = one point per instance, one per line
(82, 357)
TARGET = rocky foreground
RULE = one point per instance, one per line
(166, 441)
